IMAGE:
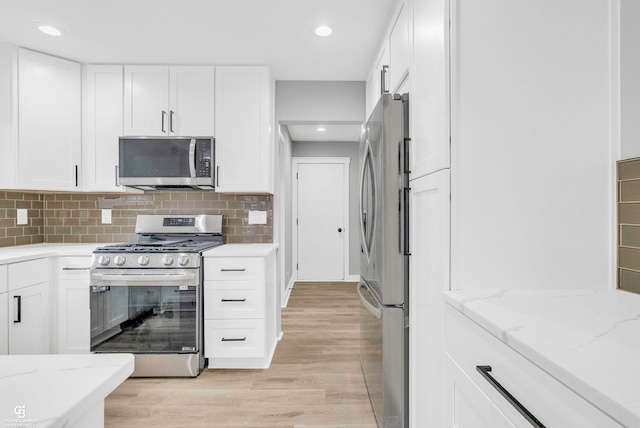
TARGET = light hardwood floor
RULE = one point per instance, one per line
(315, 380)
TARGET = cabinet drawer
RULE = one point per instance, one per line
(74, 267)
(234, 338)
(550, 401)
(24, 274)
(233, 299)
(234, 268)
(4, 287)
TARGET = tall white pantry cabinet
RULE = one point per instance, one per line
(513, 142)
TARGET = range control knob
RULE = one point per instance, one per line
(183, 260)
(167, 260)
(120, 260)
(143, 260)
(104, 260)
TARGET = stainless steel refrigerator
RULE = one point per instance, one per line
(384, 260)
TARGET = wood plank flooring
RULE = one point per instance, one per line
(314, 381)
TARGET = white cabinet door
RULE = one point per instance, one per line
(244, 147)
(376, 79)
(29, 320)
(429, 276)
(73, 316)
(49, 126)
(429, 97)
(4, 323)
(146, 100)
(466, 406)
(399, 48)
(192, 101)
(102, 126)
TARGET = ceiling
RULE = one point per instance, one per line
(277, 33)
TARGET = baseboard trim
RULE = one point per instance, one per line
(287, 294)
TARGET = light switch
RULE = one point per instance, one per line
(106, 216)
(257, 217)
(23, 217)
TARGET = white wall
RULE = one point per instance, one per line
(299, 101)
(630, 79)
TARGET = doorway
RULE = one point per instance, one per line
(320, 218)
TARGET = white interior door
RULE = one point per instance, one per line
(321, 221)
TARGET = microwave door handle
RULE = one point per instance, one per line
(192, 157)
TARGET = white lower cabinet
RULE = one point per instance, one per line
(471, 401)
(73, 312)
(4, 323)
(240, 311)
(29, 320)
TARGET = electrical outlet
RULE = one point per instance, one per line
(106, 216)
(257, 217)
(22, 216)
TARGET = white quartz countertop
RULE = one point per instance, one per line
(587, 339)
(241, 250)
(54, 390)
(21, 253)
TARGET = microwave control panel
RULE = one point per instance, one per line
(204, 151)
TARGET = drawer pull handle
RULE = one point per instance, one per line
(233, 300)
(232, 270)
(76, 268)
(484, 371)
(224, 339)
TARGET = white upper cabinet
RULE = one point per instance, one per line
(192, 101)
(102, 125)
(39, 121)
(429, 98)
(244, 146)
(399, 48)
(163, 101)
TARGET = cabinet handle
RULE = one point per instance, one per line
(384, 80)
(484, 371)
(117, 181)
(79, 268)
(233, 300)
(171, 120)
(224, 339)
(17, 301)
(164, 113)
(76, 175)
(232, 270)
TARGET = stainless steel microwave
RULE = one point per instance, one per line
(167, 162)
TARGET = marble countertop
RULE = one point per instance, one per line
(241, 250)
(55, 390)
(587, 339)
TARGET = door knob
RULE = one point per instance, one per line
(339, 229)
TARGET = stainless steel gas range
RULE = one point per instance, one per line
(146, 297)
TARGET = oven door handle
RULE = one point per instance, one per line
(167, 279)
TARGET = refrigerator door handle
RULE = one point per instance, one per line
(377, 312)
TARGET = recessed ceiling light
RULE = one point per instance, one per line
(49, 30)
(321, 129)
(323, 31)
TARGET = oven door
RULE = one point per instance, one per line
(154, 311)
